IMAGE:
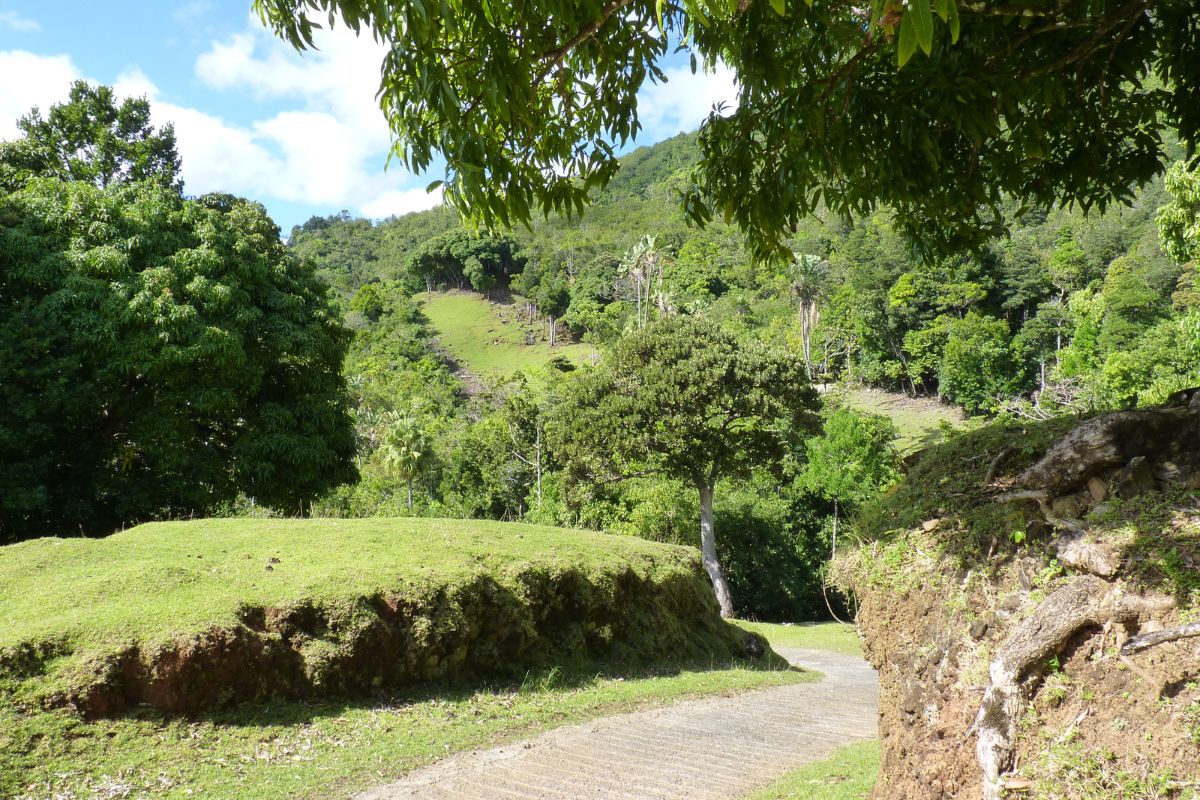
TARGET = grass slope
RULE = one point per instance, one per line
(162, 583)
(918, 420)
(190, 615)
(488, 339)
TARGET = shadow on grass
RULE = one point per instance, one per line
(558, 678)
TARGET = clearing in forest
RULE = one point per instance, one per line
(919, 420)
(493, 338)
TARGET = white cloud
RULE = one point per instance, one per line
(135, 83)
(330, 150)
(395, 203)
(685, 100)
(40, 81)
(16, 21)
(334, 147)
(190, 13)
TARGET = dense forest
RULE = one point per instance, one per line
(1069, 313)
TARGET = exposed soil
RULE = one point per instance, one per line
(477, 629)
(1002, 667)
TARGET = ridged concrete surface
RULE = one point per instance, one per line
(714, 749)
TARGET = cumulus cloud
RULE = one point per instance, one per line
(327, 149)
(16, 21)
(328, 146)
(685, 100)
(397, 202)
(43, 81)
(334, 146)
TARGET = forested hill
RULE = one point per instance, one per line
(640, 199)
(1071, 311)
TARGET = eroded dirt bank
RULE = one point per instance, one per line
(1030, 597)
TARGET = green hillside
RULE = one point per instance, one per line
(490, 339)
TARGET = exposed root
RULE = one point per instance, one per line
(1042, 498)
(1086, 601)
(1075, 551)
(1138, 643)
(991, 471)
(1111, 440)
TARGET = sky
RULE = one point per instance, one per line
(302, 134)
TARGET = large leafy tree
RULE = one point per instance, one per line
(1044, 101)
(685, 399)
(158, 356)
(95, 139)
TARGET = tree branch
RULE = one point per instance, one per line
(555, 57)
(1138, 643)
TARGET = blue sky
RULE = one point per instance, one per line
(301, 134)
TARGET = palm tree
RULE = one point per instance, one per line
(809, 278)
(404, 447)
(644, 263)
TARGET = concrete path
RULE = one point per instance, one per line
(714, 749)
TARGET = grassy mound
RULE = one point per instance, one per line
(489, 339)
(191, 616)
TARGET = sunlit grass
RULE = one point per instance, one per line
(849, 774)
(489, 339)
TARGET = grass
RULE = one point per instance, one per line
(849, 774)
(488, 339)
(324, 750)
(68, 605)
(156, 582)
(918, 420)
(832, 636)
(306, 605)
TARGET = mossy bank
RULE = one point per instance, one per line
(1027, 595)
(191, 616)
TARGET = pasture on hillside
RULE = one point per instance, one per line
(492, 339)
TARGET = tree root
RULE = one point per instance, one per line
(992, 467)
(1138, 643)
(1086, 601)
(1075, 551)
(1042, 498)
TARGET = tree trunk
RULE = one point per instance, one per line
(833, 544)
(552, 330)
(539, 467)
(708, 552)
(638, 290)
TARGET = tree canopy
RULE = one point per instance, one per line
(158, 355)
(685, 399)
(1044, 101)
(92, 138)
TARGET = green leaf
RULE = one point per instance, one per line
(780, 6)
(908, 41)
(433, 186)
(922, 16)
(953, 20)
